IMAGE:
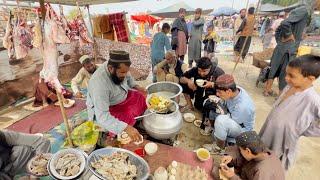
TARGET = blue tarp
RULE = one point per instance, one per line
(224, 11)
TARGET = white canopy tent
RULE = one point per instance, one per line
(80, 2)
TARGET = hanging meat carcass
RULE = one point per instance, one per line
(37, 35)
(59, 34)
(22, 39)
(7, 34)
(49, 71)
(83, 32)
(64, 23)
(8, 38)
(74, 30)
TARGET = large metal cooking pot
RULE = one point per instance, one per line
(174, 88)
(163, 126)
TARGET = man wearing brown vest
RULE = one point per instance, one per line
(245, 31)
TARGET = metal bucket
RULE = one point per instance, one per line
(170, 87)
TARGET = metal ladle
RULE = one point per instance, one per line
(171, 107)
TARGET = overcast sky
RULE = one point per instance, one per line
(153, 5)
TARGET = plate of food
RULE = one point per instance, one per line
(67, 164)
(197, 123)
(189, 117)
(37, 166)
(124, 138)
(117, 163)
(67, 103)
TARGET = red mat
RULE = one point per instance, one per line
(45, 119)
(166, 154)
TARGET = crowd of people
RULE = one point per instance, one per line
(280, 133)
(114, 99)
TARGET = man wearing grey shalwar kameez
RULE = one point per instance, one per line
(194, 48)
(288, 36)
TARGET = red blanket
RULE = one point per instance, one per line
(133, 106)
(118, 22)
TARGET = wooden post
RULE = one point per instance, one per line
(65, 119)
(245, 41)
(127, 28)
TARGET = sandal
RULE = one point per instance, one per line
(270, 93)
(214, 149)
(206, 131)
(186, 109)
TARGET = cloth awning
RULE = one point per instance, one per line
(80, 2)
(275, 8)
(146, 18)
(173, 10)
(270, 7)
(224, 11)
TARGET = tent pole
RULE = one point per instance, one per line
(234, 23)
(94, 41)
(65, 119)
(90, 22)
(245, 41)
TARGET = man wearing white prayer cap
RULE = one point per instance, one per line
(82, 78)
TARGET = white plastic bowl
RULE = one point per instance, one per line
(205, 151)
(161, 174)
(49, 155)
(189, 117)
(151, 148)
(61, 153)
(200, 82)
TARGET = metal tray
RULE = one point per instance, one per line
(143, 168)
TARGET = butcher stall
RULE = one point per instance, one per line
(21, 64)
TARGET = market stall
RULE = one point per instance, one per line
(15, 71)
(49, 31)
(143, 27)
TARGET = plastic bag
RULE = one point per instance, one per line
(85, 136)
